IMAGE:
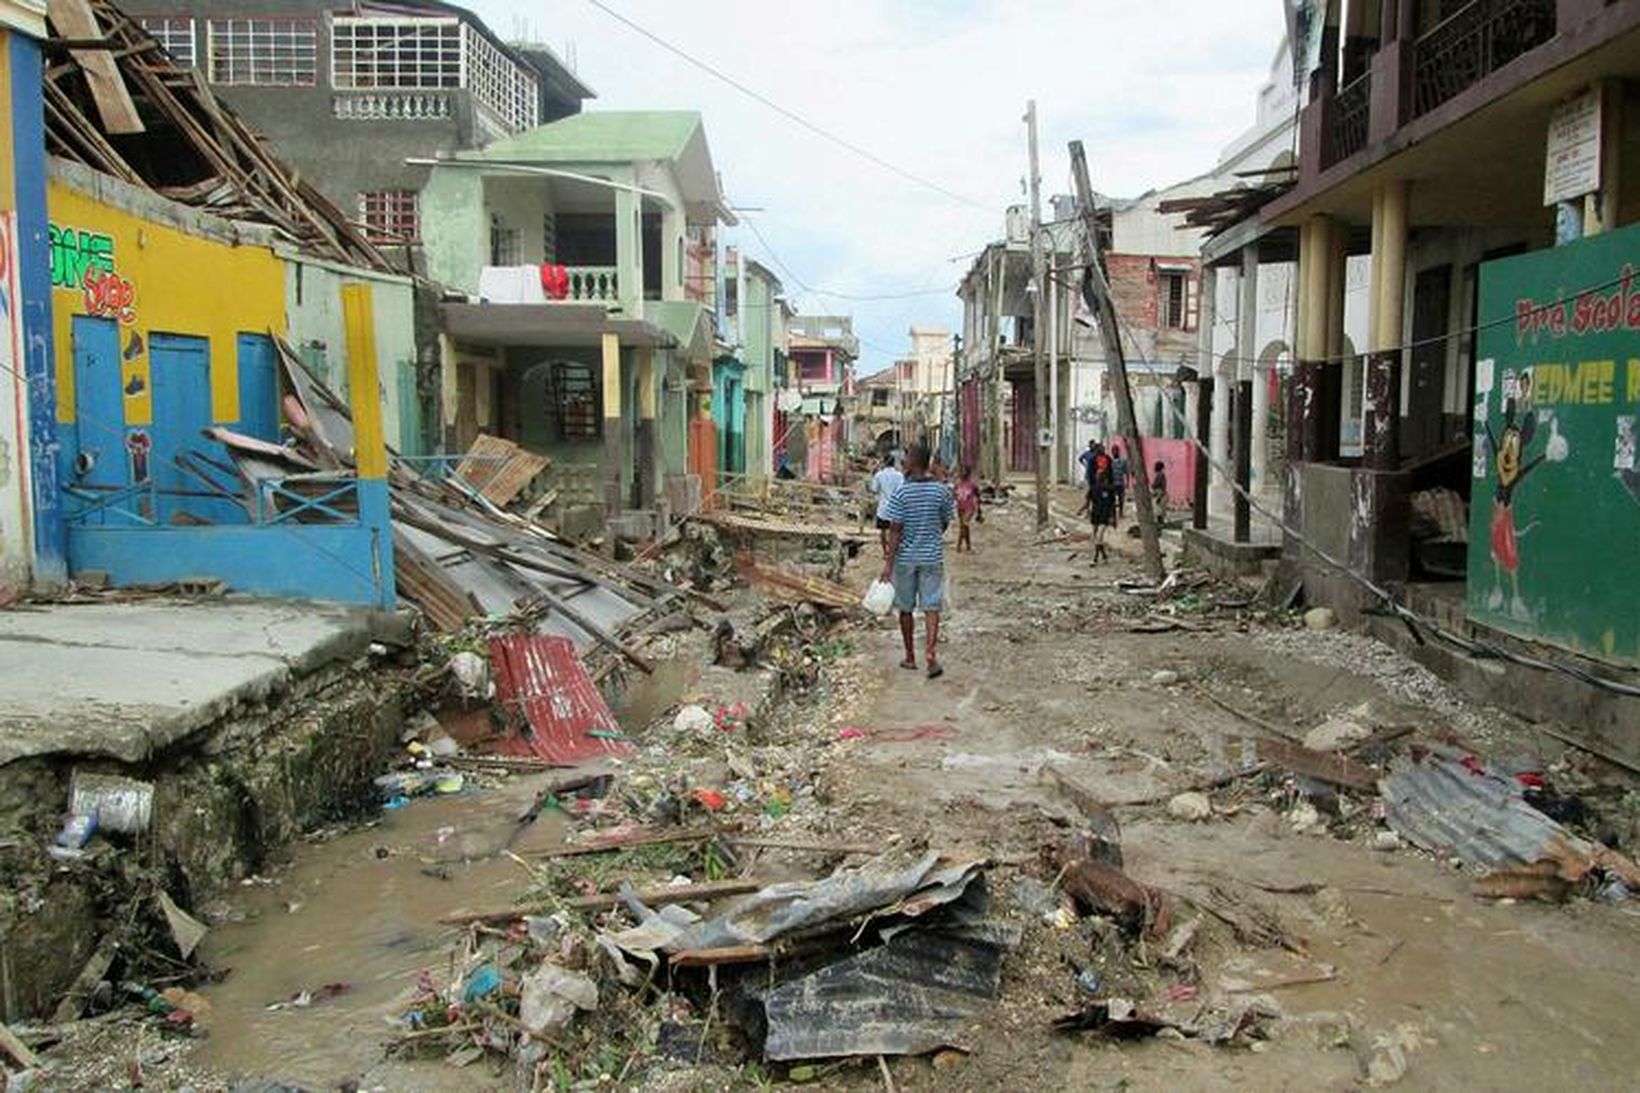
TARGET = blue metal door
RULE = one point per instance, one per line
(258, 388)
(97, 459)
(182, 411)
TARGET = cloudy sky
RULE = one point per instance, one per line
(937, 88)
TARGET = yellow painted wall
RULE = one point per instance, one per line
(8, 181)
(178, 284)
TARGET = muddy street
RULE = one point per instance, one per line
(1288, 936)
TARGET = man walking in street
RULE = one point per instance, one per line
(918, 514)
(884, 485)
(1118, 479)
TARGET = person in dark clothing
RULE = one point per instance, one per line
(1101, 504)
(1158, 491)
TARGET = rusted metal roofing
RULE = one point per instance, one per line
(550, 702)
(1442, 805)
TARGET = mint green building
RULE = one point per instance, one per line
(584, 253)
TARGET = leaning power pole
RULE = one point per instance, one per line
(1096, 291)
(1039, 275)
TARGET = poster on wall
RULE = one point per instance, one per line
(1554, 526)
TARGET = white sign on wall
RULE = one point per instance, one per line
(1573, 166)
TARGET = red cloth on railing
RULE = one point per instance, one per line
(555, 281)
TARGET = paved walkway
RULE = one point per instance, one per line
(124, 680)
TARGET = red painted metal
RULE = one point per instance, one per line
(552, 707)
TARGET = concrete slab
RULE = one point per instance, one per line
(125, 680)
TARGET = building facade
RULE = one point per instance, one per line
(1475, 156)
(580, 335)
(33, 545)
(812, 414)
(350, 93)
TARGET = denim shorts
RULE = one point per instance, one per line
(919, 584)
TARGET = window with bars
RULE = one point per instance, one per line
(572, 401)
(175, 33)
(504, 246)
(497, 83)
(391, 216)
(1176, 301)
(403, 54)
(262, 52)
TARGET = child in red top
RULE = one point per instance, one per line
(967, 491)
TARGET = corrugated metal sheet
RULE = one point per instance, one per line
(1441, 805)
(550, 701)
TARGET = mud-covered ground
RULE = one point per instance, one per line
(1370, 965)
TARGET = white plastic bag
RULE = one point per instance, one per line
(879, 598)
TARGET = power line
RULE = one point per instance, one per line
(774, 256)
(791, 115)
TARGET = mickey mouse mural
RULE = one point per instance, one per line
(1510, 451)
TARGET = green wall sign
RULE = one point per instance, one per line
(1554, 525)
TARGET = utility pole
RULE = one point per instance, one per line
(1096, 291)
(1039, 274)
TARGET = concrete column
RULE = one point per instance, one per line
(1304, 429)
(648, 446)
(1216, 499)
(629, 251)
(1331, 377)
(671, 264)
(612, 426)
(1250, 367)
(1381, 411)
(1204, 438)
(369, 444)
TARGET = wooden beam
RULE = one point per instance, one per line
(74, 20)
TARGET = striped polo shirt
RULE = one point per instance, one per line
(923, 507)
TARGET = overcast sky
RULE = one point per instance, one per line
(937, 87)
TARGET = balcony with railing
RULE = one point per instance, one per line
(596, 284)
(1474, 42)
(1348, 122)
(392, 105)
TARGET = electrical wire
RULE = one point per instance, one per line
(790, 115)
(774, 257)
(1413, 620)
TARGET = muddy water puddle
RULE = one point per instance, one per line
(360, 909)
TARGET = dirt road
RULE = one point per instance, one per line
(1044, 671)
(1358, 965)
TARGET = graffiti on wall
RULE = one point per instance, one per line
(1553, 514)
(85, 260)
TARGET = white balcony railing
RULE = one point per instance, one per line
(594, 283)
(391, 105)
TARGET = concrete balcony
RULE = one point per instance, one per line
(392, 105)
(525, 284)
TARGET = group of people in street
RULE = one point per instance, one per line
(915, 508)
(1106, 474)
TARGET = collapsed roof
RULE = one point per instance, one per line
(116, 102)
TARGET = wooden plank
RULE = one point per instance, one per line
(74, 19)
(424, 581)
(484, 459)
(729, 954)
(11, 1045)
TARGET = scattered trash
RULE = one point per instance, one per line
(483, 982)
(186, 930)
(1164, 677)
(123, 805)
(1190, 806)
(550, 995)
(305, 999)
(71, 840)
(693, 720)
